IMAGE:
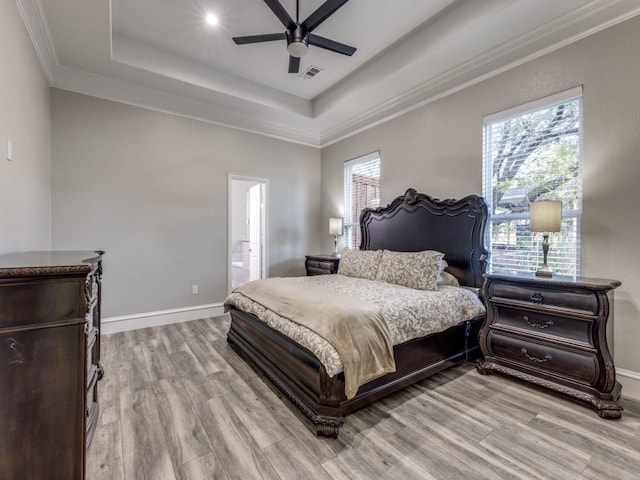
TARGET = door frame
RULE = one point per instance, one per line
(265, 227)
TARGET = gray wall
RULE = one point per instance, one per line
(151, 189)
(438, 150)
(25, 182)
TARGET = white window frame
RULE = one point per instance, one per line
(352, 223)
(487, 166)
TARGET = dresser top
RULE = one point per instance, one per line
(47, 262)
(559, 280)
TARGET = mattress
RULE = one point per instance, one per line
(408, 313)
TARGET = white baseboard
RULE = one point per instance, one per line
(630, 382)
(163, 317)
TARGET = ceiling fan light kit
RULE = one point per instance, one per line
(297, 44)
(298, 35)
(297, 49)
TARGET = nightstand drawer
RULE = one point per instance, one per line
(326, 266)
(537, 323)
(578, 300)
(321, 264)
(578, 366)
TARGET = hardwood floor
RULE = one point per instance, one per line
(178, 403)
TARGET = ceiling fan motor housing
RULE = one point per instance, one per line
(299, 34)
(297, 42)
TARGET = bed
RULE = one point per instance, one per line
(413, 222)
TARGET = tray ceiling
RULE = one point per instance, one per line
(161, 54)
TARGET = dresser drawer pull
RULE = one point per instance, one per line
(538, 325)
(535, 359)
(537, 297)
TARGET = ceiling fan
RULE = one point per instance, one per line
(298, 35)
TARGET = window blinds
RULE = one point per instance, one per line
(534, 152)
(361, 190)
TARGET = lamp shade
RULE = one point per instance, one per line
(546, 216)
(335, 226)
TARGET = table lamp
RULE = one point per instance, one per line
(546, 216)
(335, 229)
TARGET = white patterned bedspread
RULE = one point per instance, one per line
(409, 313)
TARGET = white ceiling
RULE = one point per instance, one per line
(161, 54)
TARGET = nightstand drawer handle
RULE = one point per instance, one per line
(538, 325)
(535, 359)
(537, 297)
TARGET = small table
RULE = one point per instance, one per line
(322, 264)
(552, 332)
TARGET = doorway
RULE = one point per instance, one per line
(247, 230)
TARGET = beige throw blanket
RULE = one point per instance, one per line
(353, 327)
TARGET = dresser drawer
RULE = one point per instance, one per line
(24, 303)
(578, 366)
(562, 328)
(578, 300)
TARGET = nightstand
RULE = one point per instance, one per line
(552, 332)
(321, 264)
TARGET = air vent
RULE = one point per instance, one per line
(310, 72)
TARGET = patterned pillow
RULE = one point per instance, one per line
(419, 270)
(359, 263)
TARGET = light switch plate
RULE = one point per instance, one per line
(9, 150)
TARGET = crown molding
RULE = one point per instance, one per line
(36, 24)
(592, 18)
(470, 73)
(136, 95)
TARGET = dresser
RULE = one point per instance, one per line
(50, 357)
(552, 332)
(321, 264)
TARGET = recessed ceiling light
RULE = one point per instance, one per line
(212, 19)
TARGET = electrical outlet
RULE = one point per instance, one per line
(194, 289)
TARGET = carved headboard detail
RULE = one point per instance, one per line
(416, 221)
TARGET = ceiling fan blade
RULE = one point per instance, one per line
(331, 45)
(294, 64)
(277, 8)
(323, 12)
(269, 37)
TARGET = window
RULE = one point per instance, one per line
(534, 152)
(361, 190)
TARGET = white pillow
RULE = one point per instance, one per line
(446, 278)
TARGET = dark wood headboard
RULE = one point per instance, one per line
(416, 221)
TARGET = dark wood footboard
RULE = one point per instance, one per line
(303, 379)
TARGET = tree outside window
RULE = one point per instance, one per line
(531, 153)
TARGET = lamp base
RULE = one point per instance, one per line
(544, 271)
